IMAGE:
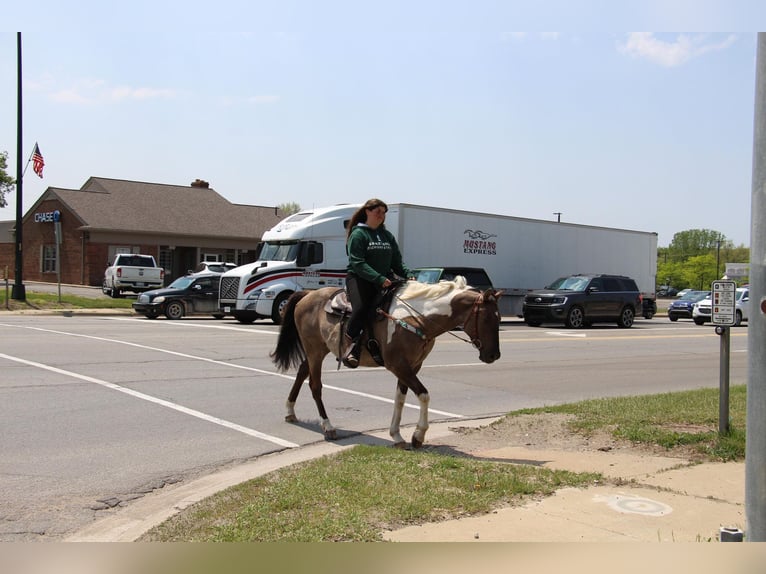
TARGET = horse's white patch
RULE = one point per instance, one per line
(427, 299)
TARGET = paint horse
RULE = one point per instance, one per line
(406, 334)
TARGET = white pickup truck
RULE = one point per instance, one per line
(132, 272)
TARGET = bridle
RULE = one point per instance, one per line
(474, 314)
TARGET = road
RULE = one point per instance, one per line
(97, 411)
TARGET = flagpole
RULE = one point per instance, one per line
(23, 173)
(18, 292)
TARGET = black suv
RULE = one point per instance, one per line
(581, 300)
(476, 277)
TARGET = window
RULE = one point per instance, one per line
(48, 259)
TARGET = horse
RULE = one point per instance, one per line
(406, 334)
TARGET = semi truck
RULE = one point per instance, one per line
(307, 250)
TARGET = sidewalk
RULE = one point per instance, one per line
(657, 499)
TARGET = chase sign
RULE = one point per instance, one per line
(48, 216)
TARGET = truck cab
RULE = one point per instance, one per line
(304, 251)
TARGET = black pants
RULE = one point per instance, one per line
(362, 295)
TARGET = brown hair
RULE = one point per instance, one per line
(360, 215)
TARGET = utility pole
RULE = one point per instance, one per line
(755, 449)
(18, 292)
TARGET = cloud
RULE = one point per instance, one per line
(97, 91)
(670, 54)
(263, 99)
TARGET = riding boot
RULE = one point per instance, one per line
(351, 359)
(374, 348)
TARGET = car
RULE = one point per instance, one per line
(682, 292)
(187, 295)
(682, 308)
(581, 300)
(476, 277)
(212, 267)
(703, 309)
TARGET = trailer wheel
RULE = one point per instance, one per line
(278, 307)
(575, 318)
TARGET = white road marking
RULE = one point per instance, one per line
(226, 364)
(155, 400)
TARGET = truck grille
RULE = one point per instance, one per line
(229, 288)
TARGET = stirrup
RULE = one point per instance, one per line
(351, 359)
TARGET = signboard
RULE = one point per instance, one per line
(723, 297)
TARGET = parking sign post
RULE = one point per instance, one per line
(723, 317)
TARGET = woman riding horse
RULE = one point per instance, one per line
(372, 255)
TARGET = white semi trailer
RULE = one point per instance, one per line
(307, 251)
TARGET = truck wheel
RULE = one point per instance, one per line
(114, 293)
(174, 310)
(278, 307)
(245, 317)
(575, 318)
(626, 318)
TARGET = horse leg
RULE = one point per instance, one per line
(419, 436)
(396, 420)
(303, 372)
(315, 384)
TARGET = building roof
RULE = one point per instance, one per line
(104, 204)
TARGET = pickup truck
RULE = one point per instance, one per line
(132, 272)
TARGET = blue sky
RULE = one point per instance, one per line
(434, 103)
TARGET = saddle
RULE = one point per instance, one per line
(339, 305)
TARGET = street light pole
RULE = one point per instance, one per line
(18, 292)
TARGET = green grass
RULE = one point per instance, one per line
(358, 493)
(353, 495)
(35, 300)
(669, 420)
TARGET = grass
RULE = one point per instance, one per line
(360, 492)
(35, 300)
(353, 495)
(686, 419)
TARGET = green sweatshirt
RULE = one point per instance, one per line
(373, 254)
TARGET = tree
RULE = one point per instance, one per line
(289, 208)
(6, 181)
(693, 242)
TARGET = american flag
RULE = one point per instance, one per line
(37, 161)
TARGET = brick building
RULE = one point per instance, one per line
(179, 225)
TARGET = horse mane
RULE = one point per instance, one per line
(415, 289)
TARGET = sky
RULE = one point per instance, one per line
(448, 104)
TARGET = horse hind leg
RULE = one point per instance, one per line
(316, 391)
(303, 372)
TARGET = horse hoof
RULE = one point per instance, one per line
(331, 435)
(291, 419)
(402, 445)
(416, 443)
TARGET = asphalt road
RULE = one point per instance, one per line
(96, 411)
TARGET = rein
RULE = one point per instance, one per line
(411, 328)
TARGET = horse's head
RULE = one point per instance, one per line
(483, 325)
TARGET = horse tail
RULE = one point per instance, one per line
(289, 351)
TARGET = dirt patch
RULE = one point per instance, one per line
(545, 431)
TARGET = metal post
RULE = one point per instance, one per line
(723, 393)
(19, 293)
(755, 450)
